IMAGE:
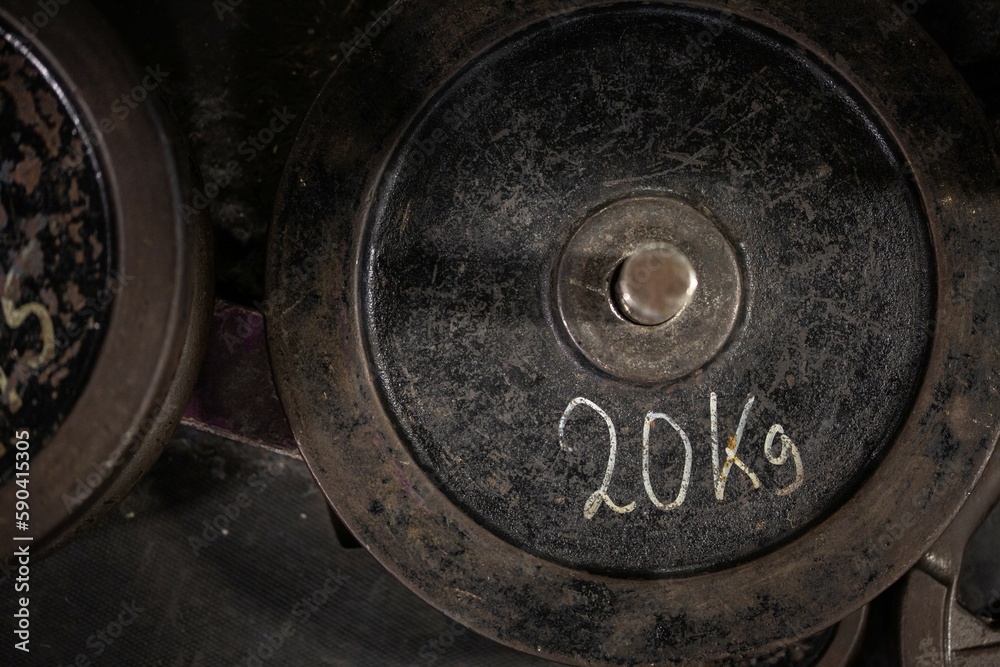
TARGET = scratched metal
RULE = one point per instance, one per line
(978, 586)
(469, 229)
(424, 375)
(126, 311)
(949, 605)
(806, 653)
(57, 251)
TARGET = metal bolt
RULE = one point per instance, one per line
(654, 284)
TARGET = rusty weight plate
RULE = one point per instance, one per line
(517, 471)
(106, 290)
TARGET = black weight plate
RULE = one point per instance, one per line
(492, 182)
(420, 347)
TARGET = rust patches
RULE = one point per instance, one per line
(58, 377)
(33, 226)
(33, 105)
(30, 261)
(96, 248)
(28, 172)
(74, 232)
(74, 298)
(75, 157)
(56, 258)
(48, 297)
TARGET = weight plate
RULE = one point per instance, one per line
(834, 326)
(58, 251)
(950, 602)
(105, 291)
(449, 339)
(835, 647)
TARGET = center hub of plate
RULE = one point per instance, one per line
(649, 289)
(654, 284)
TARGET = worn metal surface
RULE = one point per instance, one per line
(653, 284)
(225, 549)
(950, 600)
(824, 309)
(372, 460)
(235, 395)
(57, 252)
(585, 270)
(846, 643)
(835, 647)
(125, 395)
(979, 579)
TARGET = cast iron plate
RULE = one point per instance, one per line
(362, 427)
(464, 239)
(124, 394)
(57, 267)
